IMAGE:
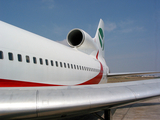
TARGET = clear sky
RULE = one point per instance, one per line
(132, 27)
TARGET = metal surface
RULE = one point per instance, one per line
(63, 101)
(130, 73)
(17, 103)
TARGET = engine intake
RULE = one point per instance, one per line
(75, 38)
(82, 41)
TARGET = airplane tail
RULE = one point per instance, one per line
(99, 37)
(82, 41)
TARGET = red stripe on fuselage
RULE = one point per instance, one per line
(96, 79)
(16, 83)
(97, 55)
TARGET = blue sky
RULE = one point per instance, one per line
(132, 27)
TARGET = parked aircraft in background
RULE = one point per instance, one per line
(40, 78)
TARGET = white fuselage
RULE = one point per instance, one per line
(34, 59)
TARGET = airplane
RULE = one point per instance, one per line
(41, 78)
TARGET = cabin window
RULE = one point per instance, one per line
(61, 64)
(41, 61)
(1, 55)
(77, 67)
(68, 65)
(80, 67)
(34, 60)
(51, 63)
(10, 56)
(27, 59)
(19, 57)
(56, 63)
(71, 66)
(74, 66)
(65, 65)
(46, 62)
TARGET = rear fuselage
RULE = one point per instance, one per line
(31, 60)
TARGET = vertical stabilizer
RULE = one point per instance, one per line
(99, 37)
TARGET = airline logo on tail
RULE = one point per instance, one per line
(101, 36)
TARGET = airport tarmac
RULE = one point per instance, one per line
(147, 110)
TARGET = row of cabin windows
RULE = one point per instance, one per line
(61, 64)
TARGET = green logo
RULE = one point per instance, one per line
(101, 36)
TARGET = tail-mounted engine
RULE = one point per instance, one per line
(81, 40)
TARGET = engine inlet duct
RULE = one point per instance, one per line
(81, 40)
(75, 38)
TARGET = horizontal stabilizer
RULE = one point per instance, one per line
(130, 73)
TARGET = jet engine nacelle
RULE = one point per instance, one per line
(81, 40)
